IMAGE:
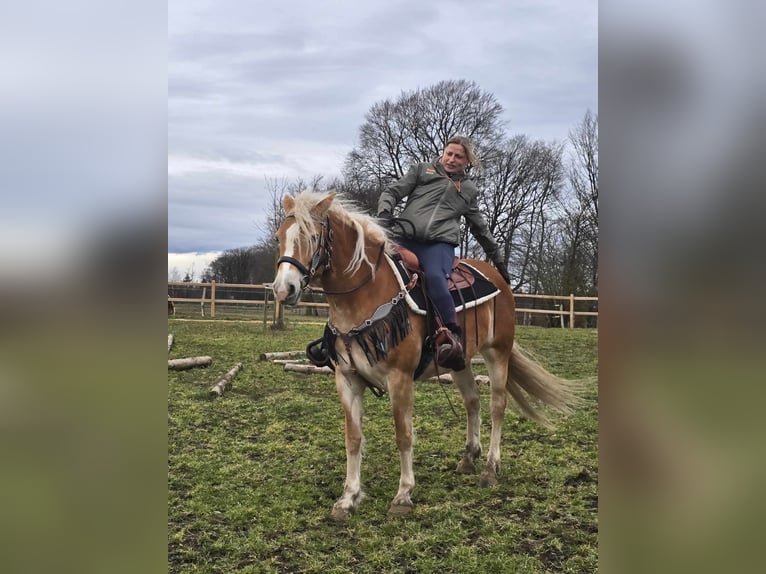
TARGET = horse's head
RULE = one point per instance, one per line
(304, 246)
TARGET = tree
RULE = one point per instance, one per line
(189, 277)
(581, 226)
(231, 266)
(274, 212)
(521, 185)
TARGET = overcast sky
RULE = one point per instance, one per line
(262, 90)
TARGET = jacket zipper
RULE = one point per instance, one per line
(438, 205)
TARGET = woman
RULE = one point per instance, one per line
(438, 195)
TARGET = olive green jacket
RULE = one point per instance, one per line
(435, 203)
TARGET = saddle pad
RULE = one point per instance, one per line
(482, 289)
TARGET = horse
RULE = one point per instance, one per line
(326, 242)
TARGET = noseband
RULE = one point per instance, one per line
(322, 255)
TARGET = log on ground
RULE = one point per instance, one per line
(225, 381)
(282, 355)
(308, 369)
(188, 363)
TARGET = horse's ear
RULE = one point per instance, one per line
(323, 205)
(288, 203)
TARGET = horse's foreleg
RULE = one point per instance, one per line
(498, 375)
(464, 380)
(401, 391)
(351, 393)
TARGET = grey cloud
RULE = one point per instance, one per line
(248, 85)
(212, 212)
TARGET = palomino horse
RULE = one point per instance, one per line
(324, 242)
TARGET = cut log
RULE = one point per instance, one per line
(291, 361)
(282, 355)
(225, 381)
(170, 341)
(309, 369)
(188, 363)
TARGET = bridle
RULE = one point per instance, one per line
(322, 257)
(322, 254)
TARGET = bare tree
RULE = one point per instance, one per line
(581, 227)
(521, 185)
(277, 189)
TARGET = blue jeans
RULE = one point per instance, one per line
(436, 261)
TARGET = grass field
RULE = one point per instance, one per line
(252, 476)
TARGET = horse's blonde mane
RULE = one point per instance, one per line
(345, 210)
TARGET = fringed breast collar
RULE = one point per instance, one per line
(376, 336)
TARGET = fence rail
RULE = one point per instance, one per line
(224, 296)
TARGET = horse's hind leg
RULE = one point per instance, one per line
(401, 390)
(497, 367)
(351, 393)
(464, 381)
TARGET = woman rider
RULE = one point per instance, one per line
(438, 195)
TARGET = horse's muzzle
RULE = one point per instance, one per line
(286, 292)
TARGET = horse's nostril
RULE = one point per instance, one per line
(290, 290)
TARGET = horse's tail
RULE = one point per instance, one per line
(528, 378)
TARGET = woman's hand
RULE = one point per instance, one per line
(385, 219)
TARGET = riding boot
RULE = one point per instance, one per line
(449, 353)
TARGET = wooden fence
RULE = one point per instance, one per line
(261, 298)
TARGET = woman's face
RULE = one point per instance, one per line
(454, 158)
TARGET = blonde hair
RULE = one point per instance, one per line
(470, 154)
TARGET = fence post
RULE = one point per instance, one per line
(571, 311)
(265, 304)
(278, 321)
(212, 299)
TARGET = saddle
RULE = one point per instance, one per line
(460, 278)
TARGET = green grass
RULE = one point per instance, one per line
(252, 476)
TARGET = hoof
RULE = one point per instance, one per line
(465, 467)
(400, 509)
(340, 514)
(488, 479)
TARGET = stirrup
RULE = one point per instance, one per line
(318, 354)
